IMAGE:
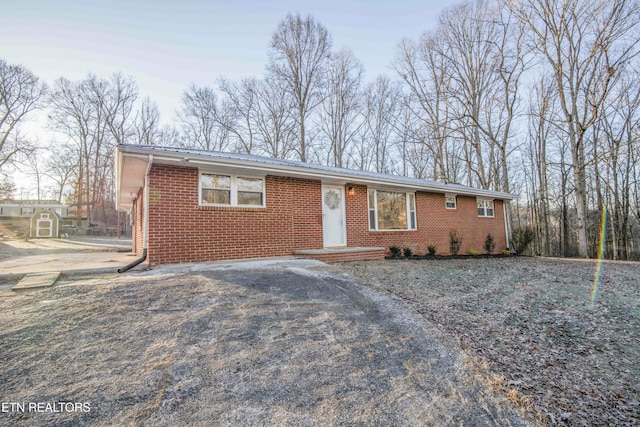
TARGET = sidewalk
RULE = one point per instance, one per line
(18, 258)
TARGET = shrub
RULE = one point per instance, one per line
(522, 238)
(454, 242)
(489, 244)
(432, 249)
(472, 252)
(407, 252)
(395, 251)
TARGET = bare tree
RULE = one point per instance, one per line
(170, 136)
(94, 114)
(117, 102)
(466, 39)
(35, 167)
(20, 93)
(73, 114)
(424, 71)
(615, 162)
(200, 117)
(299, 51)
(541, 132)
(6, 187)
(240, 106)
(341, 105)
(585, 43)
(147, 123)
(275, 124)
(463, 81)
(381, 102)
(61, 167)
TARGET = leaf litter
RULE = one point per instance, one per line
(530, 327)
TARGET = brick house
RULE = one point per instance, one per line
(193, 206)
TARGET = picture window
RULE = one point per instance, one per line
(390, 210)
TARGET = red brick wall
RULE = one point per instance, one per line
(434, 222)
(182, 231)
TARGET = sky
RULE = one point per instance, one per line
(168, 45)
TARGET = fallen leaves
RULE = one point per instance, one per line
(560, 359)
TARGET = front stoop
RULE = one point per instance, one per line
(343, 254)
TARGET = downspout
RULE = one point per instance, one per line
(506, 222)
(145, 221)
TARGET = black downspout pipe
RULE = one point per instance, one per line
(134, 263)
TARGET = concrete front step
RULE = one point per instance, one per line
(343, 254)
(37, 280)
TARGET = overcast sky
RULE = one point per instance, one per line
(167, 45)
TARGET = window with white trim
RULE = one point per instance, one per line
(389, 210)
(27, 211)
(485, 208)
(231, 190)
(450, 201)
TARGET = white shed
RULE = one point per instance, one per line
(45, 224)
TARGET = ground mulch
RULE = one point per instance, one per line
(531, 324)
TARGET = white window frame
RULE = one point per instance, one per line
(233, 190)
(411, 214)
(447, 199)
(486, 205)
(27, 211)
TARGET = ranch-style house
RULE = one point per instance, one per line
(194, 206)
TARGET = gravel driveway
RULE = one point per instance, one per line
(239, 344)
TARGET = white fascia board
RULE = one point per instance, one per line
(310, 171)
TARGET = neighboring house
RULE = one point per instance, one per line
(191, 206)
(21, 216)
(15, 209)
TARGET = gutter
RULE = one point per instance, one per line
(145, 221)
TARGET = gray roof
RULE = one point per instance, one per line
(282, 167)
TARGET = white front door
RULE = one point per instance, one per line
(333, 216)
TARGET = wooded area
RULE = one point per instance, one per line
(536, 97)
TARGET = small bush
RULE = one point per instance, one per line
(454, 242)
(432, 249)
(472, 252)
(522, 238)
(395, 251)
(489, 244)
(407, 252)
(506, 252)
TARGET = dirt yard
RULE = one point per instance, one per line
(279, 345)
(531, 323)
(487, 342)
